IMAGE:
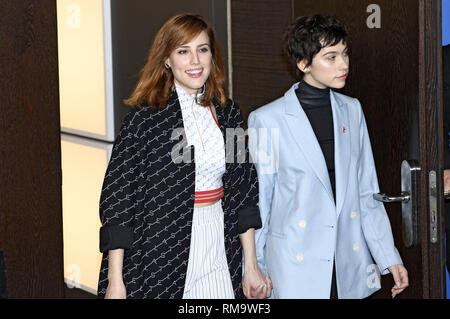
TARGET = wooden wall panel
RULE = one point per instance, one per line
(261, 73)
(30, 173)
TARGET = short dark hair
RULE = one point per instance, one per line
(306, 36)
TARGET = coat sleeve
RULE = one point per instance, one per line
(374, 219)
(118, 198)
(248, 215)
(262, 151)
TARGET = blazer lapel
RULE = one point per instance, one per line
(342, 148)
(305, 139)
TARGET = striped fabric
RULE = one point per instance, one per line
(207, 275)
(208, 196)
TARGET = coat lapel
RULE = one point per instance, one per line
(181, 151)
(229, 149)
(342, 148)
(305, 139)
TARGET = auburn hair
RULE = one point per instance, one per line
(156, 81)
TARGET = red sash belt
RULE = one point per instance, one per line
(208, 196)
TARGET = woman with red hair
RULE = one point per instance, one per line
(176, 204)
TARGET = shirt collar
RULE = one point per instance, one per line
(184, 96)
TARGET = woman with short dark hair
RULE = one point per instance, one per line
(321, 224)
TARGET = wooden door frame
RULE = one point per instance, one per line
(431, 155)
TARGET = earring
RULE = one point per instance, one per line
(167, 67)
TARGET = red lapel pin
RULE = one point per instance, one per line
(343, 129)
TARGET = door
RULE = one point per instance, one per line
(395, 64)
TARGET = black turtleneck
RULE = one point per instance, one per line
(312, 95)
(317, 105)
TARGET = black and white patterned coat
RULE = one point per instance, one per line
(147, 200)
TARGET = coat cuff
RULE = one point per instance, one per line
(390, 259)
(249, 218)
(115, 237)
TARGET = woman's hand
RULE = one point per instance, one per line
(116, 290)
(255, 283)
(400, 278)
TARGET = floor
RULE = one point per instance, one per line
(75, 293)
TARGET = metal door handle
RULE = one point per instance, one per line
(410, 172)
(404, 197)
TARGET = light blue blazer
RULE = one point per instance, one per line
(303, 229)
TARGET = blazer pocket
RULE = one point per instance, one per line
(276, 234)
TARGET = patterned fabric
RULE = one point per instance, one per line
(204, 134)
(147, 199)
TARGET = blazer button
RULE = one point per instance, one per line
(300, 257)
(353, 215)
(302, 223)
(356, 247)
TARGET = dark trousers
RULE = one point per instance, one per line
(334, 293)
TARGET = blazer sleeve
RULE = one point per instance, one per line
(446, 76)
(118, 198)
(374, 219)
(248, 215)
(262, 151)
